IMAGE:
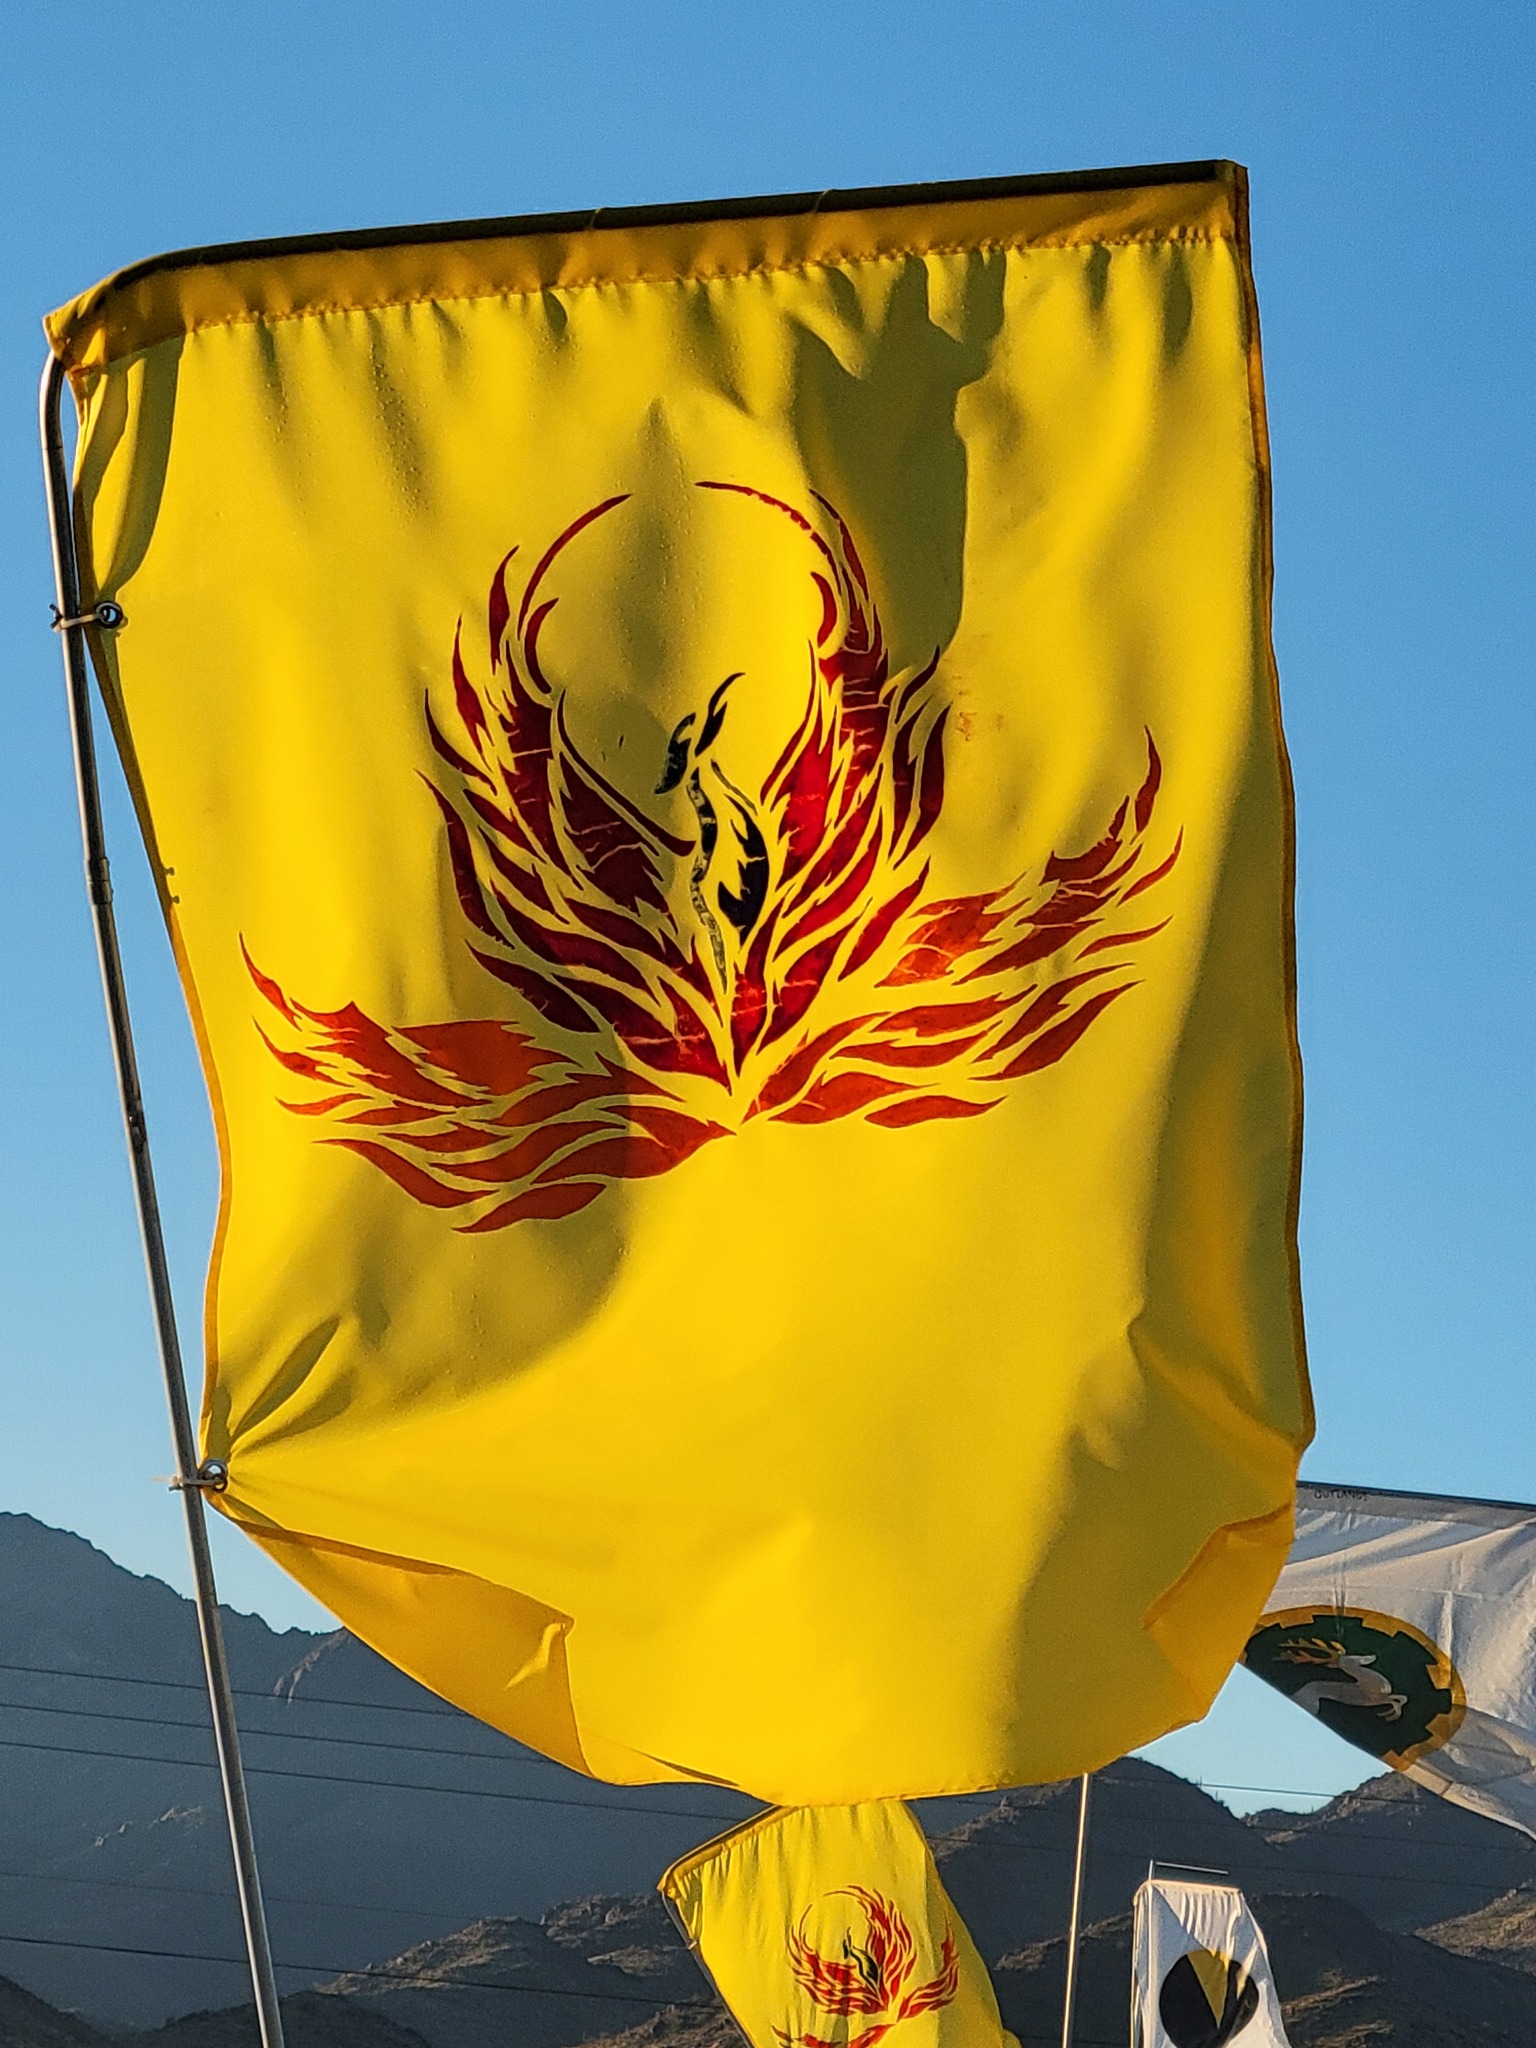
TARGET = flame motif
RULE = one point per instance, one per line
(780, 958)
(868, 1979)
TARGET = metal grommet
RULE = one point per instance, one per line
(109, 617)
(212, 1477)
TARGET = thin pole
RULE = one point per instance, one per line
(191, 1479)
(1069, 2000)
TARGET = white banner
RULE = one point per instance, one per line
(1200, 1970)
(1407, 1624)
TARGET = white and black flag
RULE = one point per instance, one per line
(1200, 1970)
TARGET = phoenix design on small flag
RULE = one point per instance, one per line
(681, 969)
(868, 1979)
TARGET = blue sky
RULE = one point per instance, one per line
(1391, 153)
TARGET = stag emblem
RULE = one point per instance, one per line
(1372, 1678)
(1359, 1683)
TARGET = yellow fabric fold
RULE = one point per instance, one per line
(827, 1927)
(718, 792)
(174, 297)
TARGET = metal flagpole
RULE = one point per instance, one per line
(1069, 2001)
(192, 1480)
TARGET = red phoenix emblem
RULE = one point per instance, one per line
(868, 1979)
(676, 971)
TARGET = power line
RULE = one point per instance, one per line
(1252, 1859)
(448, 1713)
(1388, 1792)
(284, 1734)
(375, 1971)
(397, 1785)
(597, 1804)
(1392, 1781)
(471, 1724)
(1260, 1878)
(1278, 1877)
(454, 1915)
(188, 1763)
(379, 1973)
(707, 2004)
(1364, 1795)
(244, 1692)
(693, 1813)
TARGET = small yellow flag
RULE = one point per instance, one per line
(827, 1927)
(717, 787)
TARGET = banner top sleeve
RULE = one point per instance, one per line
(179, 294)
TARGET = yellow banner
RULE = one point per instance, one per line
(827, 1927)
(719, 797)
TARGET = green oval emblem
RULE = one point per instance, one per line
(1369, 1677)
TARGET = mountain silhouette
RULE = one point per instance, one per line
(431, 1884)
(383, 1816)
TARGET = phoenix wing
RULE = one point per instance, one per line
(813, 976)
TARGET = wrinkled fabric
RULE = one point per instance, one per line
(1405, 1623)
(829, 1924)
(719, 798)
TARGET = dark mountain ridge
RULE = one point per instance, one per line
(383, 1816)
(432, 1885)
(1344, 1983)
(1388, 1847)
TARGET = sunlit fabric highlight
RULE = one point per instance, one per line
(718, 793)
